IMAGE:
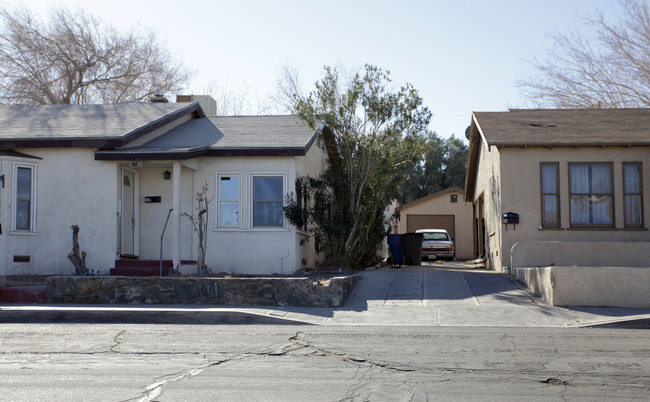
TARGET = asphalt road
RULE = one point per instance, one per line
(87, 362)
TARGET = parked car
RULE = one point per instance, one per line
(437, 244)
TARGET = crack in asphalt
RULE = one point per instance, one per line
(155, 389)
(117, 340)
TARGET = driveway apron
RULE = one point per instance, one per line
(446, 294)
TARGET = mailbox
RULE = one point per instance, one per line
(510, 217)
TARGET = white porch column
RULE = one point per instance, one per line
(176, 221)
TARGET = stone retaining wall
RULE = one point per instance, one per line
(295, 292)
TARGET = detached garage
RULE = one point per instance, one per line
(445, 209)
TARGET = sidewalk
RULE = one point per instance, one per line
(434, 294)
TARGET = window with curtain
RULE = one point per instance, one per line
(591, 195)
(228, 204)
(550, 185)
(632, 195)
(24, 197)
(268, 195)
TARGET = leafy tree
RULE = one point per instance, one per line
(376, 133)
(72, 59)
(455, 161)
(425, 176)
(443, 164)
(610, 71)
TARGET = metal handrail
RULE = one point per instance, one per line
(161, 238)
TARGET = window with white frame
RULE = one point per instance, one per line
(24, 197)
(632, 195)
(267, 200)
(228, 195)
(591, 195)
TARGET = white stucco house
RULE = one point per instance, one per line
(116, 170)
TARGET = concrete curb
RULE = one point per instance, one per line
(79, 314)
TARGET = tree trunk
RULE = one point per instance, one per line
(75, 256)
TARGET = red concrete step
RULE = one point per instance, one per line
(136, 267)
(141, 271)
(23, 294)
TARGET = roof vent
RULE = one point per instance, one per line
(158, 98)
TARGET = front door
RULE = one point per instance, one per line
(129, 213)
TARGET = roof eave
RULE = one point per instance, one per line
(472, 160)
(195, 153)
(192, 108)
(437, 194)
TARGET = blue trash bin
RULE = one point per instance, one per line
(396, 247)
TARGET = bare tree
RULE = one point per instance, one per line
(71, 58)
(231, 101)
(200, 225)
(612, 70)
(288, 88)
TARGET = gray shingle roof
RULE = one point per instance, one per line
(66, 122)
(566, 127)
(235, 132)
(223, 136)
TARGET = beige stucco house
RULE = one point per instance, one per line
(575, 183)
(117, 170)
(445, 209)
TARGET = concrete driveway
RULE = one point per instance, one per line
(457, 294)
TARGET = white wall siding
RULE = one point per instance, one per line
(72, 188)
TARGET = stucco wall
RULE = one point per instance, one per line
(441, 205)
(248, 250)
(153, 215)
(589, 286)
(488, 182)
(580, 253)
(520, 192)
(71, 188)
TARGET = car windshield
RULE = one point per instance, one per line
(435, 236)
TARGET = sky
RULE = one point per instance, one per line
(461, 55)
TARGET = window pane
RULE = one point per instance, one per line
(601, 179)
(549, 179)
(23, 198)
(590, 209)
(267, 188)
(632, 178)
(550, 210)
(23, 212)
(601, 209)
(267, 214)
(229, 213)
(579, 178)
(633, 210)
(590, 179)
(24, 183)
(229, 188)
